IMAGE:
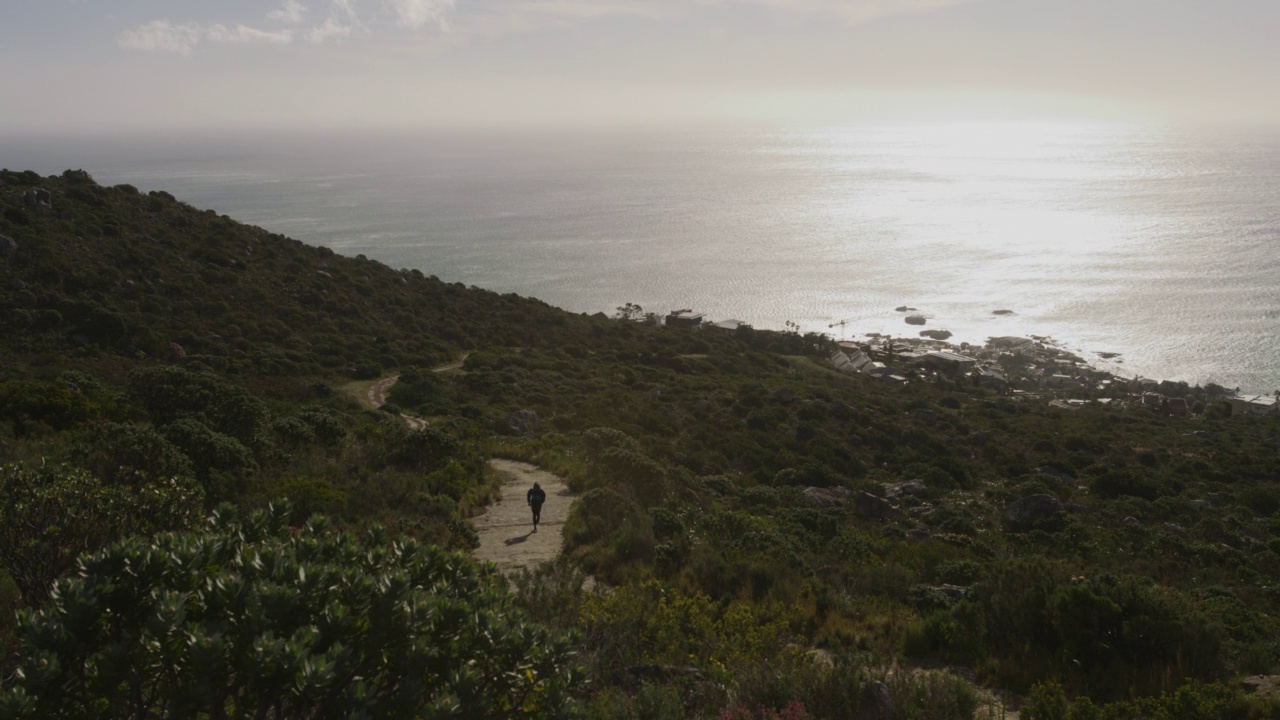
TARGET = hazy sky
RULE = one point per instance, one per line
(102, 64)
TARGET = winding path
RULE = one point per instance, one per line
(376, 393)
(505, 528)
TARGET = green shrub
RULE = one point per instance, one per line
(49, 515)
(250, 618)
(123, 452)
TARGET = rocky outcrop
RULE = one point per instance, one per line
(915, 488)
(1261, 684)
(869, 505)
(1032, 513)
(522, 422)
(827, 497)
(876, 703)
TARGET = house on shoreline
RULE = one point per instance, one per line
(684, 318)
(1258, 406)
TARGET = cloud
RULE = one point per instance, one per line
(165, 37)
(345, 7)
(330, 30)
(290, 14)
(161, 36)
(525, 16)
(504, 17)
(855, 11)
(244, 35)
(414, 14)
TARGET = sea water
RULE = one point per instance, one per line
(1160, 244)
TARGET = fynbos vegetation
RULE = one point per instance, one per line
(768, 537)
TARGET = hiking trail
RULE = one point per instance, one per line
(506, 527)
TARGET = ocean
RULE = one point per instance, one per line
(1160, 244)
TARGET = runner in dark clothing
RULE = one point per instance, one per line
(536, 497)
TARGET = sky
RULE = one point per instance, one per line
(96, 65)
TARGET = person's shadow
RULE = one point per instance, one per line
(518, 539)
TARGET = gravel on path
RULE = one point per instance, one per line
(506, 527)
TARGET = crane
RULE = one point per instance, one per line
(841, 323)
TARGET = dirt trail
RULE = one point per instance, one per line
(376, 393)
(506, 527)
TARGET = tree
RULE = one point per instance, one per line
(48, 516)
(630, 312)
(251, 618)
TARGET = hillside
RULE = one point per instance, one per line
(746, 501)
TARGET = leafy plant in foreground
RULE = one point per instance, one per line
(253, 618)
(49, 515)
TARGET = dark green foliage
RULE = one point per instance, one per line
(1189, 702)
(28, 404)
(252, 619)
(221, 463)
(328, 429)
(124, 452)
(48, 516)
(137, 331)
(1132, 481)
(427, 449)
(169, 394)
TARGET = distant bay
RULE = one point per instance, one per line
(1159, 244)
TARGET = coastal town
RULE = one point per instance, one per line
(1031, 368)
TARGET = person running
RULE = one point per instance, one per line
(536, 497)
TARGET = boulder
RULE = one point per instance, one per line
(936, 334)
(869, 505)
(1056, 476)
(522, 421)
(876, 703)
(916, 320)
(902, 308)
(915, 488)
(1001, 312)
(827, 497)
(1261, 684)
(1032, 512)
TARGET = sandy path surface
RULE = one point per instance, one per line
(376, 393)
(506, 527)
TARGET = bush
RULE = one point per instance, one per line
(252, 618)
(50, 515)
(222, 464)
(124, 452)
